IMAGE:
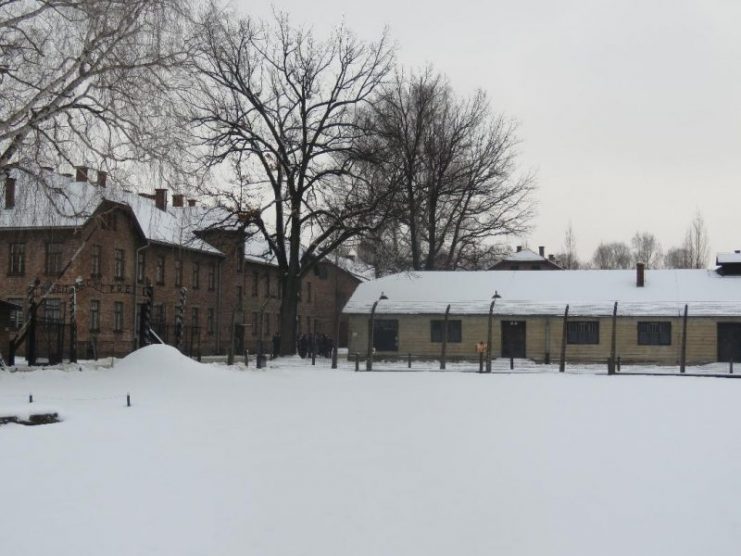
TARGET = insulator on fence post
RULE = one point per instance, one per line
(30, 398)
(357, 362)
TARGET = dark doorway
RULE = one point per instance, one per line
(513, 338)
(239, 338)
(729, 341)
(386, 335)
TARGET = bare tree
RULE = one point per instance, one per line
(677, 257)
(83, 81)
(613, 255)
(697, 243)
(451, 165)
(695, 249)
(281, 106)
(646, 249)
(569, 258)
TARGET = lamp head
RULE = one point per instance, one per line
(383, 296)
(496, 295)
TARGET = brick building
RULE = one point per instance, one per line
(110, 244)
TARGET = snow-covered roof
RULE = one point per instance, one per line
(587, 292)
(729, 258)
(524, 255)
(63, 202)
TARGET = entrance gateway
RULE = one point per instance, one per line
(513, 338)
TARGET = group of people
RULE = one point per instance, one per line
(306, 345)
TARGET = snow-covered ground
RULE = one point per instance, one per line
(295, 460)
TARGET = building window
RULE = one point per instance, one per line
(582, 332)
(654, 333)
(178, 273)
(240, 299)
(194, 317)
(141, 262)
(53, 257)
(94, 315)
(196, 275)
(17, 262)
(53, 310)
(118, 312)
(454, 331)
(118, 265)
(96, 255)
(16, 316)
(308, 292)
(160, 271)
(211, 277)
(210, 321)
(255, 316)
(320, 271)
(255, 280)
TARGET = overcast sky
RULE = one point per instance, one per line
(629, 111)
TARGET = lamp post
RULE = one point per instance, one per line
(369, 360)
(488, 340)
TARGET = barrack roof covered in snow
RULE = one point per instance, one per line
(587, 292)
(728, 258)
(524, 255)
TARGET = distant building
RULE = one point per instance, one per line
(529, 314)
(525, 259)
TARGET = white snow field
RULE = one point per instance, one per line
(211, 460)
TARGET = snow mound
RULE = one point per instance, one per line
(159, 359)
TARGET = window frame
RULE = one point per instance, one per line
(659, 337)
(454, 332)
(54, 257)
(577, 332)
(118, 316)
(119, 264)
(159, 270)
(17, 260)
(94, 315)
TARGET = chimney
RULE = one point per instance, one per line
(541, 250)
(102, 178)
(640, 275)
(177, 200)
(81, 173)
(519, 248)
(191, 202)
(160, 199)
(9, 192)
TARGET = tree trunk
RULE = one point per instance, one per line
(288, 313)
